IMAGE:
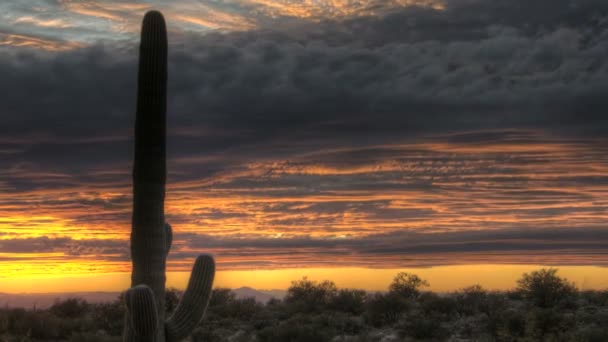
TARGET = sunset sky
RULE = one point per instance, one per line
(319, 137)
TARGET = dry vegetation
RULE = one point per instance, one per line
(543, 307)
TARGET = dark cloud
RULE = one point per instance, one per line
(410, 248)
(414, 240)
(101, 249)
(476, 64)
(397, 249)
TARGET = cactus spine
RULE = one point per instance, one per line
(150, 236)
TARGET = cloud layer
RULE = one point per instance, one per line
(305, 134)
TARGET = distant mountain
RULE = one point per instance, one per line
(262, 296)
(45, 300)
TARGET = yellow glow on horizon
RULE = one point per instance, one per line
(441, 278)
(61, 233)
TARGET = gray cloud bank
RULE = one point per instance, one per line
(477, 64)
(397, 249)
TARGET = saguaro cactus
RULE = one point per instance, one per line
(151, 236)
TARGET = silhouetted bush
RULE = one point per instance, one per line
(423, 328)
(407, 285)
(494, 307)
(244, 309)
(343, 323)
(69, 308)
(433, 304)
(4, 322)
(310, 296)
(43, 325)
(544, 288)
(384, 309)
(225, 305)
(220, 297)
(593, 333)
(208, 333)
(543, 308)
(300, 329)
(93, 337)
(172, 296)
(514, 324)
(597, 298)
(109, 317)
(351, 301)
(470, 300)
(17, 324)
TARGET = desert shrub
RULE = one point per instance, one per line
(224, 305)
(547, 323)
(208, 333)
(407, 285)
(494, 308)
(4, 321)
(270, 314)
(276, 306)
(69, 308)
(597, 298)
(310, 296)
(93, 337)
(422, 327)
(300, 328)
(470, 300)
(343, 323)
(351, 301)
(43, 325)
(544, 288)
(593, 333)
(361, 337)
(433, 304)
(68, 327)
(514, 325)
(109, 317)
(17, 323)
(220, 297)
(317, 311)
(172, 296)
(384, 309)
(244, 309)
(294, 333)
(219, 303)
(514, 295)
(469, 327)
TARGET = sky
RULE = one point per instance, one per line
(311, 134)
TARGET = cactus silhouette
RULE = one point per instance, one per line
(151, 236)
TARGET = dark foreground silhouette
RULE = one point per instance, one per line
(543, 307)
(151, 236)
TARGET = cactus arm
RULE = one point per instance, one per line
(192, 306)
(142, 316)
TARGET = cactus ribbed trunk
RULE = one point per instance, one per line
(148, 235)
(151, 236)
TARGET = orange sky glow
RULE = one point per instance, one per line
(81, 213)
(440, 278)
